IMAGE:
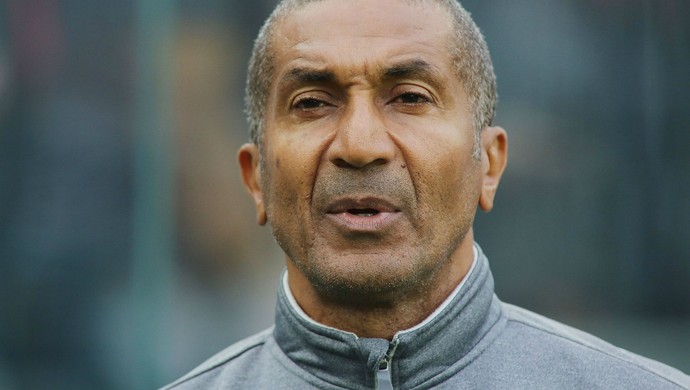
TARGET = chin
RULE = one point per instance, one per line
(367, 278)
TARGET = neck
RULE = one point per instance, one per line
(383, 320)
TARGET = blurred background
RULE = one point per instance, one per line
(128, 247)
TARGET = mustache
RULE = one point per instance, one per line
(395, 186)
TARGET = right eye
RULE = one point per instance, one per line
(309, 103)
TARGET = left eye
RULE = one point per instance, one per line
(411, 98)
(309, 104)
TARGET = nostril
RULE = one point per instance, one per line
(340, 163)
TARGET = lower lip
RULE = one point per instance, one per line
(360, 223)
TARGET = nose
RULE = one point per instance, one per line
(361, 139)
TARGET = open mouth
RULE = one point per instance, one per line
(363, 212)
(361, 207)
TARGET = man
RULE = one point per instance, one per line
(372, 147)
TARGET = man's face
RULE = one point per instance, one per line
(367, 172)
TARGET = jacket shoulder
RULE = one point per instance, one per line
(582, 343)
(224, 357)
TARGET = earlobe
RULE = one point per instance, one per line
(249, 158)
(494, 159)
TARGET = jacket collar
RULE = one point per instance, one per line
(430, 351)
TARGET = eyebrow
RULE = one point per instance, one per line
(309, 76)
(411, 69)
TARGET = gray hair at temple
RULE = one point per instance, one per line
(467, 46)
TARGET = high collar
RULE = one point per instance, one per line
(419, 355)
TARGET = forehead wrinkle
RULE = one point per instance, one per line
(343, 71)
(345, 75)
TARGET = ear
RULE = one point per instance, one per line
(249, 158)
(494, 158)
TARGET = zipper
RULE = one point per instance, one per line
(384, 364)
(386, 360)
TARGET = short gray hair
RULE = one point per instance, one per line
(467, 47)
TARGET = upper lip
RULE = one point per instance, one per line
(343, 204)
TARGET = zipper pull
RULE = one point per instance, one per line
(385, 361)
(383, 366)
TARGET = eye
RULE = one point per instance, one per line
(411, 98)
(312, 105)
(309, 103)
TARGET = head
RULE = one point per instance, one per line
(472, 63)
(371, 143)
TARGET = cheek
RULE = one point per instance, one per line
(287, 185)
(454, 185)
(449, 181)
(282, 186)
(441, 154)
(450, 205)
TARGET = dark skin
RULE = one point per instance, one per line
(368, 175)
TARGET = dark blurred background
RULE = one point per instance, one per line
(128, 248)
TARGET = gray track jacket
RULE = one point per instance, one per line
(476, 342)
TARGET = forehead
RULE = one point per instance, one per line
(359, 36)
